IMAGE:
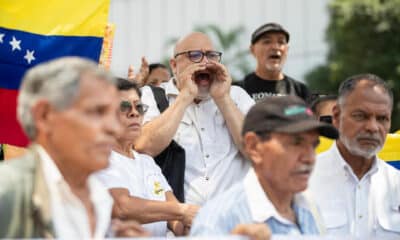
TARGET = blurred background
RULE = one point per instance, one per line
(330, 40)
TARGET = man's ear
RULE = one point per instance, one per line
(336, 115)
(251, 142)
(251, 48)
(172, 64)
(41, 114)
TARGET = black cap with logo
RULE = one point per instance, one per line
(285, 114)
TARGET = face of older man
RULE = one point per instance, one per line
(363, 120)
(270, 51)
(285, 161)
(83, 134)
(191, 57)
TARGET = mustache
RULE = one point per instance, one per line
(375, 137)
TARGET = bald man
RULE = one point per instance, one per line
(204, 116)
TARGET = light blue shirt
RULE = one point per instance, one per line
(247, 202)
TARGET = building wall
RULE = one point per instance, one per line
(144, 26)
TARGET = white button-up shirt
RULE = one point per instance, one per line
(213, 162)
(366, 207)
(69, 215)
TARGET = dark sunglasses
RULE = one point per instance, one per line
(326, 119)
(197, 56)
(126, 107)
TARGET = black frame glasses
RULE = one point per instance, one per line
(197, 56)
(126, 107)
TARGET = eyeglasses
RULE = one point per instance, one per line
(126, 107)
(197, 56)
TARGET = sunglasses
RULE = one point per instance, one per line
(326, 119)
(197, 56)
(126, 107)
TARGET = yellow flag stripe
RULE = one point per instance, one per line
(56, 17)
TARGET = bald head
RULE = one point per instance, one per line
(193, 41)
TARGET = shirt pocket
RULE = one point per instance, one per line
(335, 218)
(388, 221)
(185, 134)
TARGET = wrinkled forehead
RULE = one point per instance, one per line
(194, 41)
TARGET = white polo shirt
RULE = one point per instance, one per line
(369, 207)
(141, 177)
(213, 163)
(69, 215)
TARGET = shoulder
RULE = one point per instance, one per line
(222, 213)
(17, 169)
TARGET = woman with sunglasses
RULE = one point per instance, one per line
(136, 183)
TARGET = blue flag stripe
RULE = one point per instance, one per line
(31, 49)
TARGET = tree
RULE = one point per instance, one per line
(363, 36)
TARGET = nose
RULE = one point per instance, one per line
(372, 125)
(308, 155)
(113, 125)
(133, 112)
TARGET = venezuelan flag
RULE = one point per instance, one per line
(34, 31)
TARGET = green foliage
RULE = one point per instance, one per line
(363, 36)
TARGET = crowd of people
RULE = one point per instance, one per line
(190, 153)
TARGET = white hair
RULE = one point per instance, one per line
(56, 81)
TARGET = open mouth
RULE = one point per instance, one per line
(202, 78)
(275, 56)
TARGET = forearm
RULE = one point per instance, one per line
(147, 211)
(233, 117)
(158, 133)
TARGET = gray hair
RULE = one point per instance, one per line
(348, 86)
(56, 81)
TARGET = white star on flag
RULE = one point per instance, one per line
(1, 37)
(15, 44)
(29, 56)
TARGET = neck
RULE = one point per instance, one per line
(359, 165)
(269, 75)
(124, 147)
(282, 200)
(74, 176)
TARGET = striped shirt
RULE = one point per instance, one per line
(247, 202)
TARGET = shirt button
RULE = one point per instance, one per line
(359, 216)
(207, 178)
(207, 156)
(202, 129)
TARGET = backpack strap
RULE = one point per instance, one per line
(160, 97)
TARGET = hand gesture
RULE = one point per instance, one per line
(141, 77)
(255, 231)
(222, 80)
(186, 82)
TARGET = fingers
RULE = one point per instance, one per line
(131, 72)
(255, 231)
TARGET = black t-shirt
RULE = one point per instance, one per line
(259, 88)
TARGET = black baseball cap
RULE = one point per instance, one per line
(268, 27)
(285, 114)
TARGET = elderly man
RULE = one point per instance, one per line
(67, 108)
(269, 46)
(359, 194)
(280, 135)
(204, 117)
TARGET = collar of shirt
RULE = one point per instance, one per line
(261, 208)
(59, 189)
(347, 168)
